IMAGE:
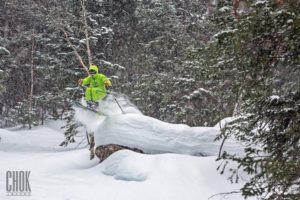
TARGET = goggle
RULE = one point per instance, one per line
(92, 72)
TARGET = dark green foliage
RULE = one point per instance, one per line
(31, 42)
(129, 40)
(70, 129)
(156, 78)
(257, 58)
(271, 134)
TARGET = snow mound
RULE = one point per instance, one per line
(164, 176)
(24, 140)
(135, 130)
(64, 173)
(109, 107)
(154, 136)
(127, 166)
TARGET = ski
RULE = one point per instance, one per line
(90, 109)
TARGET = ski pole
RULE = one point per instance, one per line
(109, 92)
(119, 105)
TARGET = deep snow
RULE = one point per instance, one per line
(149, 134)
(68, 174)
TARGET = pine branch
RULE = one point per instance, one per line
(224, 194)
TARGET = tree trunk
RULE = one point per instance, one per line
(6, 28)
(238, 104)
(31, 84)
(74, 49)
(43, 114)
(86, 33)
(104, 151)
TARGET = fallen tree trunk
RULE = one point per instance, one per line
(104, 151)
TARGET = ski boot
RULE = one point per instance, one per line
(92, 104)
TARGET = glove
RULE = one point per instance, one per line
(80, 81)
(107, 83)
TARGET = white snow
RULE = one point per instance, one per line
(59, 173)
(274, 97)
(154, 136)
(224, 9)
(4, 51)
(261, 2)
(224, 32)
(105, 30)
(224, 122)
(148, 134)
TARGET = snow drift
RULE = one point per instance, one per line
(59, 173)
(151, 135)
(68, 174)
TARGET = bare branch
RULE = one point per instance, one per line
(74, 49)
(52, 15)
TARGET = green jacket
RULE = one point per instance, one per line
(96, 81)
(96, 85)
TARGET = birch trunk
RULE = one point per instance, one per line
(31, 84)
(86, 33)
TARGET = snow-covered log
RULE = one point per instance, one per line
(104, 151)
(152, 136)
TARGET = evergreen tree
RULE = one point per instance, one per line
(256, 56)
(124, 43)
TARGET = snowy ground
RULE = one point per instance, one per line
(68, 174)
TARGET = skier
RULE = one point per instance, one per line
(96, 86)
(96, 90)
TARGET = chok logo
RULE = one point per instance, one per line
(17, 183)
